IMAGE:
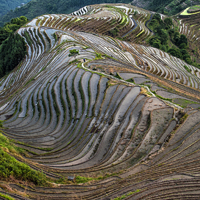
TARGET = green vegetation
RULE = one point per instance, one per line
(5, 196)
(81, 179)
(126, 195)
(131, 80)
(39, 7)
(6, 6)
(118, 76)
(194, 9)
(98, 56)
(183, 102)
(10, 167)
(114, 32)
(168, 39)
(11, 27)
(73, 52)
(160, 97)
(13, 46)
(5, 143)
(187, 68)
(169, 7)
(140, 33)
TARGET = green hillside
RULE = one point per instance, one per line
(169, 7)
(7, 5)
(40, 7)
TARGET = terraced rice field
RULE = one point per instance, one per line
(190, 26)
(94, 113)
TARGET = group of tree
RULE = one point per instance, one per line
(169, 7)
(7, 5)
(167, 38)
(11, 27)
(12, 45)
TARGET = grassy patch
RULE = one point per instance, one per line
(185, 12)
(81, 179)
(8, 146)
(126, 195)
(5, 196)
(10, 167)
(140, 33)
(187, 68)
(98, 56)
(78, 20)
(183, 102)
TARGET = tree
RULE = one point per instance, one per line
(183, 39)
(73, 52)
(11, 27)
(175, 52)
(168, 22)
(12, 51)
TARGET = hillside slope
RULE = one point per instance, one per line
(122, 118)
(40, 7)
(169, 7)
(8, 5)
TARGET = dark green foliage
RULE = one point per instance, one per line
(114, 32)
(73, 52)
(11, 27)
(6, 6)
(12, 46)
(175, 52)
(169, 7)
(12, 51)
(118, 76)
(40, 7)
(166, 35)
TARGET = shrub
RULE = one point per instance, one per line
(73, 52)
(81, 179)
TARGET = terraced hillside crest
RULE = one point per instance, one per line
(83, 103)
